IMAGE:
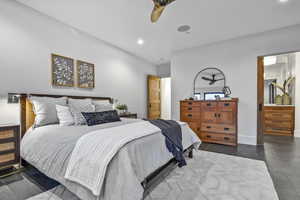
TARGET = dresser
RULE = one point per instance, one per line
(9, 148)
(212, 121)
(279, 120)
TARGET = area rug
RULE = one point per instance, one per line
(208, 176)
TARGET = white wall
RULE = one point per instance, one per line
(164, 70)
(238, 59)
(166, 98)
(297, 97)
(27, 38)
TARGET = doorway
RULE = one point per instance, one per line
(277, 84)
(159, 97)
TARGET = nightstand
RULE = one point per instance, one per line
(129, 115)
(9, 149)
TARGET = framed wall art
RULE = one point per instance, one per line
(62, 71)
(85, 75)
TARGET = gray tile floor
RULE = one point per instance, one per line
(282, 155)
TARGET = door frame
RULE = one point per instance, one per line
(260, 94)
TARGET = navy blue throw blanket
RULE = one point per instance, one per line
(172, 131)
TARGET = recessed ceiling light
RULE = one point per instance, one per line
(140, 41)
(283, 1)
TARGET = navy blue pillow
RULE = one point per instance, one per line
(95, 118)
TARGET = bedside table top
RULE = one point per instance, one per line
(8, 125)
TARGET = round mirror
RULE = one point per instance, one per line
(209, 84)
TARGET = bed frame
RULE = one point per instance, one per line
(27, 118)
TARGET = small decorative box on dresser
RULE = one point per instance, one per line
(213, 121)
(279, 120)
(9, 149)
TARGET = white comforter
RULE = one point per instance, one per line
(49, 149)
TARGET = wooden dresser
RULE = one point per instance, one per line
(279, 120)
(213, 121)
(9, 148)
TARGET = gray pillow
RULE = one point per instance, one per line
(101, 106)
(77, 106)
(44, 109)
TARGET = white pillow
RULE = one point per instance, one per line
(45, 111)
(77, 106)
(64, 115)
(101, 106)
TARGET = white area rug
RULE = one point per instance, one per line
(208, 176)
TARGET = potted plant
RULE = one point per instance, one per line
(122, 107)
(286, 99)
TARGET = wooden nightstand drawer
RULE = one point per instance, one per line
(5, 158)
(6, 134)
(7, 146)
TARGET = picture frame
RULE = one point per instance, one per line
(62, 71)
(85, 75)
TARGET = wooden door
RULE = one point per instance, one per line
(260, 100)
(154, 97)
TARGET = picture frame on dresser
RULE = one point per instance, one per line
(10, 162)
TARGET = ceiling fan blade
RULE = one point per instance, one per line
(207, 79)
(221, 79)
(159, 6)
(156, 13)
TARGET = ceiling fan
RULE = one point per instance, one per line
(159, 6)
(213, 79)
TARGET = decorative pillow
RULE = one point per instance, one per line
(45, 110)
(95, 118)
(77, 106)
(101, 106)
(64, 115)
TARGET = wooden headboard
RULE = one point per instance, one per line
(27, 115)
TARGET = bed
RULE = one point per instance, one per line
(50, 148)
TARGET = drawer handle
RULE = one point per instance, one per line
(226, 138)
(219, 115)
(190, 108)
(208, 127)
(190, 115)
(198, 129)
(209, 104)
(190, 103)
(216, 115)
(226, 104)
(226, 129)
(208, 136)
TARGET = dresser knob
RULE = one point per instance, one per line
(190, 103)
(190, 108)
(209, 104)
(226, 129)
(226, 138)
(208, 136)
(226, 104)
(190, 115)
(208, 127)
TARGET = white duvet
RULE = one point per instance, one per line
(112, 173)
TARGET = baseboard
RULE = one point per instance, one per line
(297, 133)
(250, 140)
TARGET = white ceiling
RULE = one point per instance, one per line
(122, 22)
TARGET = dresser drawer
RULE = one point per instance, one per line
(188, 109)
(209, 106)
(190, 103)
(7, 146)
(228, 129)
(280, 116)
(226, 106)
(278, 124)
(7, 134)
(190, 116)
(218, 138)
